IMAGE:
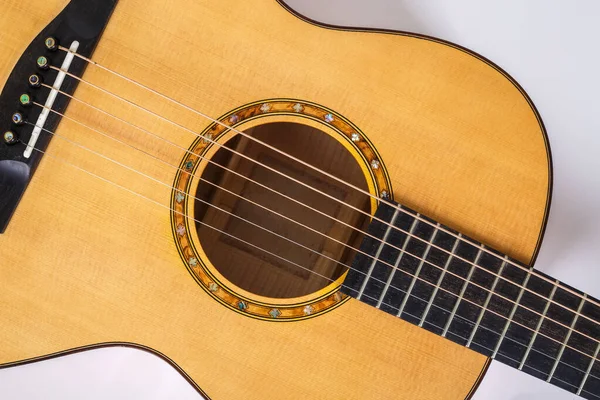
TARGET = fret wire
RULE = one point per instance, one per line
(486, 303)
(564, 344)
(397, 263)
(491, 330)
(537, 328)
(417, 272)
(439, 281)
(485, 328)
(510, 317)
(96, 64)
(462, 293)
(162, 205)
(589, 369)
(379, 250)
(508, 357)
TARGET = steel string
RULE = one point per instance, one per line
(481, 247)
(394, 307)
(394, 268)
(416, 215)
(310, 271)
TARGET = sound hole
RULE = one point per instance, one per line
(257, 271)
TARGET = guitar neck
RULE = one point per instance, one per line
(432, 276)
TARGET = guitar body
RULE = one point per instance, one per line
(86, 264)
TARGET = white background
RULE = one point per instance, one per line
(551, 48)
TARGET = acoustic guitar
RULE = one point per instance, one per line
(278, 208)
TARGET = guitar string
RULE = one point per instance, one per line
(402, 251)
(562, 343)
(480, 247)
(210, 183)
(394, 307)
(254, 224)
(115, 73)
(532, 272)
(592, 359)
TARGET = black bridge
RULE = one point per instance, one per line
(83, 22)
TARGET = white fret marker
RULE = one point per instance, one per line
(512, 314)
(539, 325)
(379, 250)
(414, 279)
(41, 121)
(462, 291)
(487, 301)
(440, 279)
(397, 263)
(564, 344)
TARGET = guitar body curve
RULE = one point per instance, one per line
(85, 263)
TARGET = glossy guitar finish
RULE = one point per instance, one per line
(85, 263)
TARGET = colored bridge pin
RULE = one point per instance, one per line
(35, 81)
(10, 137)
(42, 62)
(51, 43)
(17, 118)
(25, 99)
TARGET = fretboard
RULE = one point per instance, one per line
(472, 295)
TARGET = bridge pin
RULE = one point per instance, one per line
(10, 137)
(25, 100)
(35, 81)
(17, 118)
(51, 43)
(43, 62)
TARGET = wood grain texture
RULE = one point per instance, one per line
(84, 262)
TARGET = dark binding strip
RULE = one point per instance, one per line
(111, 344)
(494, 66)
(311, 21)
(82, 21)
(484, 371)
